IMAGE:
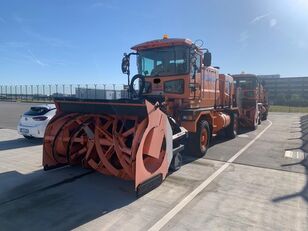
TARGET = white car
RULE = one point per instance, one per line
(33, 122)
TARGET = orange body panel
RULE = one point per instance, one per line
(206, 84)
(226, 87)
(210, 87)
(218, 120)
(162, 43)
(130, 147)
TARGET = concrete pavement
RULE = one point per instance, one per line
(261, 190)
(10, 113)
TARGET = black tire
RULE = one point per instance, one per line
(259, 119)
(264, 116)
(198, 142)
(28, 137)
(231, 130)
(254, 126)
(176, 162)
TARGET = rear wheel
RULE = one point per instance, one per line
(264, 116)
(259, 119)
(255, 124)
(231, 130)
(198, 142)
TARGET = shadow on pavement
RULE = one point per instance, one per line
(19, 143)
(65, 203)
(304, 148)
(60, 199)
(220, 138)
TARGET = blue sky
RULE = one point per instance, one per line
(79, 41)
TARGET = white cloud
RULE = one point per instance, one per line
(259, 18)
(33, 58)
(273, 22)
(51, 41)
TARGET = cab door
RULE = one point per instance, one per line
(196, 78)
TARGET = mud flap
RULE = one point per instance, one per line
(149, 185)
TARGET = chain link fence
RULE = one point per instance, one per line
(47, 92)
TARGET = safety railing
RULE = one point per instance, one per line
(46, 92)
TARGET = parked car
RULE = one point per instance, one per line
(33, 122)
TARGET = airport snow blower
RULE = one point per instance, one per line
(181, 103)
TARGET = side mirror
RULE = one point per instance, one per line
(125, 64)
(207, 59)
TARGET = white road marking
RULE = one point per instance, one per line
(243, 136)
(165, 219)
(300, 155)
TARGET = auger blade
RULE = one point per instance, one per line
(136, 145)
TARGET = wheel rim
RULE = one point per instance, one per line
(203, 139)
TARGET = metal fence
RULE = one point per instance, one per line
(47, 92)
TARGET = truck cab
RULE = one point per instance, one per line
(174, 68)
(179, 73)
(250, 98)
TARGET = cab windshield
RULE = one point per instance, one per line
(246, 83)
(164, 61)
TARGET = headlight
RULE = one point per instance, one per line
(174, 86)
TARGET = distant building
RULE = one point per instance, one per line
(286, 88)
(276, 76)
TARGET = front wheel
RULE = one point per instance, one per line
(198, 142)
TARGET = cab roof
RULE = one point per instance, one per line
(162, 43)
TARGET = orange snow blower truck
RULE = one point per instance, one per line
(182, 101)
(252, 101)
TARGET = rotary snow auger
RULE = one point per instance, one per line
(182, 102)
(130, 139)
